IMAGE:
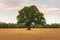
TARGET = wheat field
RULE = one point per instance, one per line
(33, 34)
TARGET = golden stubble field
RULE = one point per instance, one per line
(34, 34)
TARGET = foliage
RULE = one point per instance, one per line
(55, 25)
(7, 25)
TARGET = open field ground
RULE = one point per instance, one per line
(34, 34)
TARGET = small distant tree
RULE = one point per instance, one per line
(30, 15)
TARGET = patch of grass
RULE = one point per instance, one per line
(33, 34)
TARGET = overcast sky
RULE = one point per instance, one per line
(9, 9)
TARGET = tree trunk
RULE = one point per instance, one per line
(28, 25)
(29, 28)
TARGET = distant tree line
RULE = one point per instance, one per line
(55, 25)
(12, 25)
(7, 25)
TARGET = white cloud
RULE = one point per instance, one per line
(46, 9)
(12, 5)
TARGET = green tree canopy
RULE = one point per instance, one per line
(30, 15)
